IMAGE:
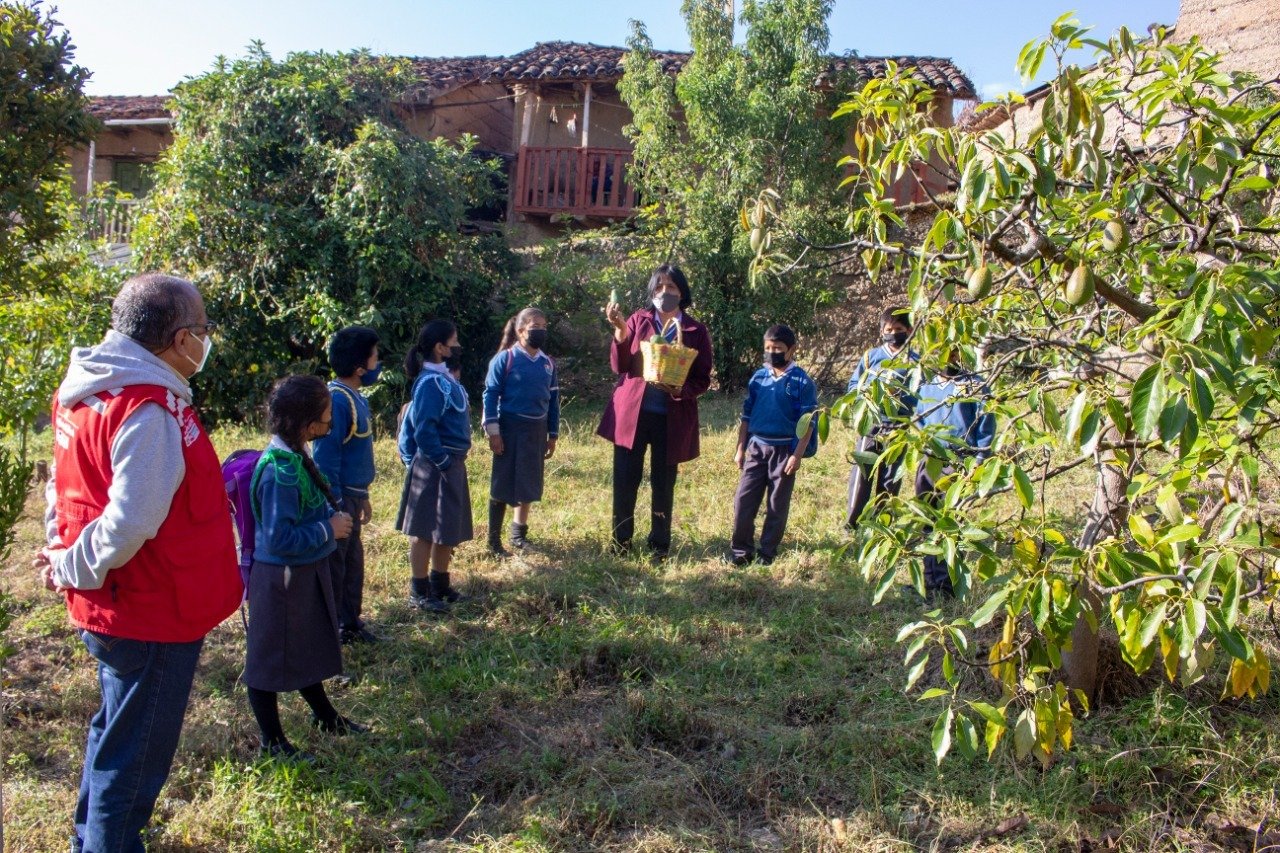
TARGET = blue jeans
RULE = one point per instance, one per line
(132, 739)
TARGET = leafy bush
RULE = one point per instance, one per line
(298, 202)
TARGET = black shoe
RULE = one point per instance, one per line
(519, 536)
(351, 636)
(441, 589)
(762, 560)
(497, 511)
(657, 556)
(339, 726)
(286, 752)
(738, 560)
(428, 604)
(453, 596)
(620, 549)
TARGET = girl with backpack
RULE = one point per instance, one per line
(435, 437)
(292, 639)
(522, 420)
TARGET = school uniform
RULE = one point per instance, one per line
(292, 639)
(772, 410)
(435, 437)
(892, 370)
(345, 457)
(522, 405)
(951, 408)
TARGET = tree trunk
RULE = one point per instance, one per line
(1108, 514)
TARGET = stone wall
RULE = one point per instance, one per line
(1245, 32)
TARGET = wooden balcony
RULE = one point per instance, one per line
(110, 218)
(592, 182)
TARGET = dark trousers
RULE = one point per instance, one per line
(628, 471)
(132, 738)
(937, 576)
(864, 484)
(346, 566)
(762, 474)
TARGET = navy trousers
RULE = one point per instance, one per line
(762, 475)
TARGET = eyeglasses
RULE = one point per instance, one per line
(209, 328)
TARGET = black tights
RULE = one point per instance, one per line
(265, 705)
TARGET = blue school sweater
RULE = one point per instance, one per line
(523, 386)
(775, 403)
(896, 378)
(346, 458)
(291, 514)
(438, 422)
(954, 405)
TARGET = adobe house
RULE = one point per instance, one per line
(552, 113)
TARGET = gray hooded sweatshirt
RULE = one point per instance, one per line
(147, 464)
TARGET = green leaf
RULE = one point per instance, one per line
(802, 426)
(1022, 484)
(1052, 417)
(966, 737)
(915, 672)
(989, 607)
(1202, 397)
(992, 714)
(1173, 419)
(942, 734)
(1147, 400)
(824, 426)
(1024, 734)
(885, 584)
(1075, 415)
(933, 693)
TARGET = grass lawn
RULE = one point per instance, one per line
(588, 702)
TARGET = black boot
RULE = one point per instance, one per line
(441, 589)
(422, 596)
(519, 535)
(497, 511)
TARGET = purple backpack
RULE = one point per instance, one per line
(237, 475)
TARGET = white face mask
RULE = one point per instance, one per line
(207, 343)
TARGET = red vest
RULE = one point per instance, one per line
(182, 582)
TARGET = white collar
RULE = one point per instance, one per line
(518, 347)
(437, 366)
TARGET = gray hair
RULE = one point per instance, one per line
(152, 307)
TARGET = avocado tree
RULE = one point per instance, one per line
(295, 197)
(1108, 265)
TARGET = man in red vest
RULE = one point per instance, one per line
(140, 542)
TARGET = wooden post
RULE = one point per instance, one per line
(88, 181)
(586, 115)
(526, 121)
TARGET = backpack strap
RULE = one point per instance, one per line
(353, 432)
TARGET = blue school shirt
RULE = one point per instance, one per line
(954, 405)
(523, 386)
(896, 378)
(775, 403)
(346, 458)
(438, 422)
(288, 533)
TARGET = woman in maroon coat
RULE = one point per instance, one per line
(644, 414)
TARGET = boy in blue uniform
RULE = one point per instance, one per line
(888, 365)
(769, 453)
(950, 407)
(345, 457)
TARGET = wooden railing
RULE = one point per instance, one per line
(575, 181)
(110, 219)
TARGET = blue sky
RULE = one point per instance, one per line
(143, 47)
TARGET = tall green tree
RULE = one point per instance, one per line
(1110, 269)
(737, 117)
(296, 199)
(42, 114)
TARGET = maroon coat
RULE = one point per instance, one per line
(623, 412)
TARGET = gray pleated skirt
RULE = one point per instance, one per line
(436, 505)
(292, 640)
(518, 472)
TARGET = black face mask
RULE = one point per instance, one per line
(777, 359)
(454, 361)
(537, 338)
(895, 339)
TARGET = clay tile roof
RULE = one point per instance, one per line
(108, 107)
(562, 60)
(941, 74)
(443, 74)
(567, 60)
